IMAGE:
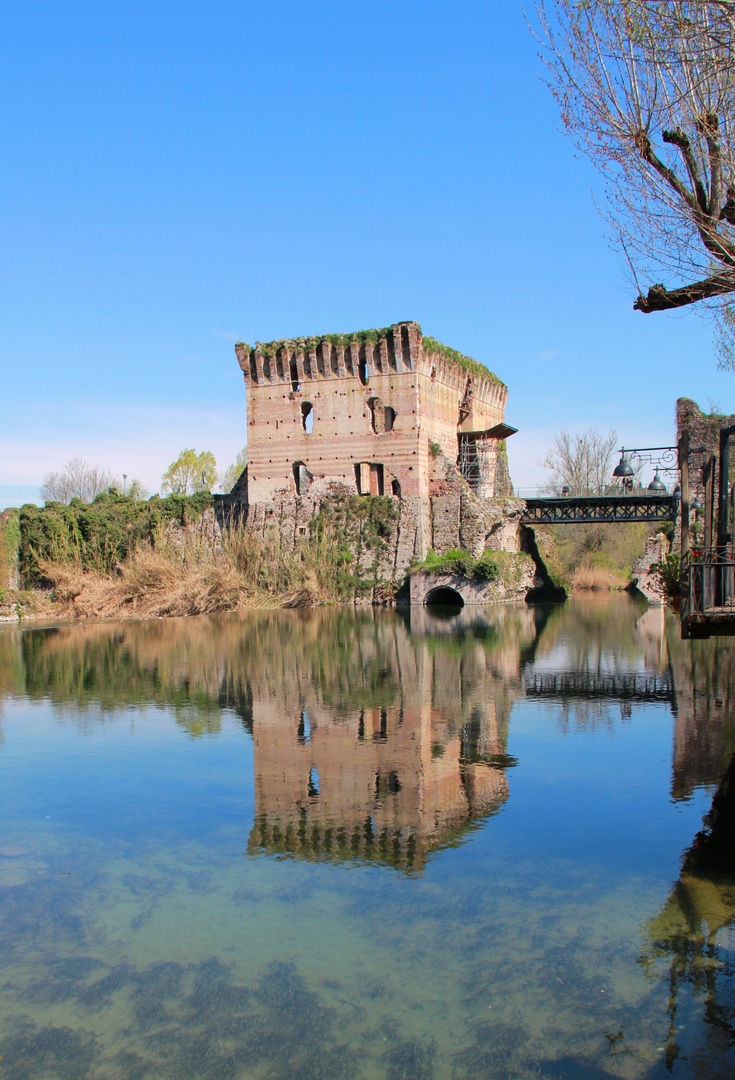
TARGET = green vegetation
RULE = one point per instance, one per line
(434, 448)
(190, 472)
(309, 344)
(668, 571)
(502, 566)
(597, 556)
(474, 367)
(9, 544)
(101, 535)
(361, 528)
(549, 554)
(119, 556)
(234, 471)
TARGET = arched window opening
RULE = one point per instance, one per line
(382, 417)
(313, 785)
(279, 365)
(303, 733)
(302, 477)
(363, 372)
(369, 477)
(253, 368)
(295, 384)
(395, 488)
(444, 597)
(406, 347)
(307, 417)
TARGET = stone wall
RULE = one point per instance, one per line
(385, 536)
(704, 431)
(646, 582)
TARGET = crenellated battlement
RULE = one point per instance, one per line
(392, 350)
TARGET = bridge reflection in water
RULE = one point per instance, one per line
(600, 685)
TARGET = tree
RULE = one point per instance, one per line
(136, 489)
(190, 472)
(581, 462)
(233, 472)
(133, 489)
(646, 89)
(77, 480)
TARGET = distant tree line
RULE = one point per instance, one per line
(190, 473)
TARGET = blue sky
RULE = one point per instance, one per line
(178, 176)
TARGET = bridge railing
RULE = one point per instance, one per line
(637, 491)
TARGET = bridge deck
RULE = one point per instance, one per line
(586, 509)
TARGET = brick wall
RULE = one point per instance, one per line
(318, 410)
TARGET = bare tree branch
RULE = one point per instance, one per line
(646, 89)
(580, 462)
(77, 480)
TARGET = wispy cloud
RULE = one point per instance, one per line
(140, 439)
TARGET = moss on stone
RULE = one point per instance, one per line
(474, 367)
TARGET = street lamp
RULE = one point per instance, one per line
(623, 467)
(656, 487)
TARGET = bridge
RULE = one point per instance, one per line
(582, 510)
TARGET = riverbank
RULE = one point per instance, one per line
(123, 558)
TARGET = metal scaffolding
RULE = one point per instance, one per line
(475, 455)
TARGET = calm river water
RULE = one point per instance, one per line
(385, 845)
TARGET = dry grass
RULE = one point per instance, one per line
(596, 578)
(188, 575)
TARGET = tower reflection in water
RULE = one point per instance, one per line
(411, 757)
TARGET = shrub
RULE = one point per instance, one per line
(100, 535)
(668, 572)
(486, 567)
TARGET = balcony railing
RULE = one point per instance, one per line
(708, 585)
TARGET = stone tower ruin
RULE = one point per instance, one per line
(367, 411)
(378, 412)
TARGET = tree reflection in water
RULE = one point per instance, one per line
(693, 935)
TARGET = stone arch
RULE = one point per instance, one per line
(444, 596)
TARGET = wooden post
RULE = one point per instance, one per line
(723, 535)
(684, 466)
(709, 501)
